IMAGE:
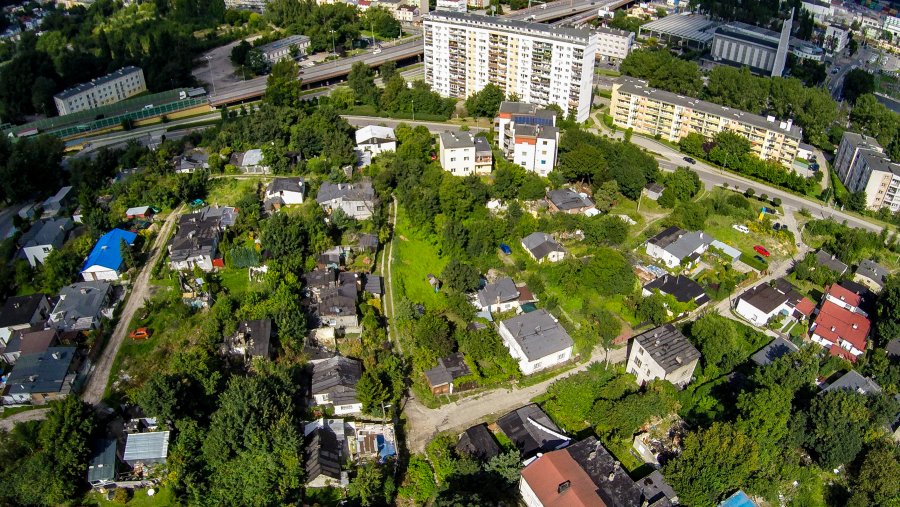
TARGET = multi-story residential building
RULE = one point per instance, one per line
(451, 5)
(613, 44)
(256, 5)
(539, 63)
(463, 154)
(109, 89)
(820, 10)
(861, 165)
(528, 136)
(536, 340)
(357, 200)
(841, 326)
(836, 38)
(662, 353)
(289, 47)
(892, 25)
(651, 111)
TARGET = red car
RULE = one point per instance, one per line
(761, 251)
(141, 333)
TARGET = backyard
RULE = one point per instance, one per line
(415, 257)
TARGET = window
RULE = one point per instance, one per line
(640, 351)
(561, 356)
(638, 362)
(452, 159)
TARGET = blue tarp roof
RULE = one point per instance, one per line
(385, 449)
(106, 252)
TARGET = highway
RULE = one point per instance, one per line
(254, 88)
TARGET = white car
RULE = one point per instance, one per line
(740, 228)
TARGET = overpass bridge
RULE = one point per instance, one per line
(334, 71)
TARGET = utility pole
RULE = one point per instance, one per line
(212, 78)
(333, 47)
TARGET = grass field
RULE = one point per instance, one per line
(227, 191)
(415, 257)
(162, 496)
(236, 280)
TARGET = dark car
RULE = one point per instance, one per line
(776, 227)
(689, 160)
(759, 258)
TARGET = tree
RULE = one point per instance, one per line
(239, 53)
(857, 82)
(652, 309)
(876, 481)
(888, 310)
(857, 201)
(486, 102)
(382, 21)
(714, 462)
(387, 70)
(368, 485)
(372, 392)
(507, 465)
(729, 148)
(717, 339)
(418, 483)
(283, 85)
(64, 438)
(127, 254)
(362, 81)
(460, 277)
(692, 144)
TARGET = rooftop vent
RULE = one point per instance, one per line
(855, 326)
(563, 486)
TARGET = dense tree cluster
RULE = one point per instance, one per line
(595, 160)
(82, 43)
(875, 119)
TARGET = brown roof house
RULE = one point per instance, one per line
(441, 378)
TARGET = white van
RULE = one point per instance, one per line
(740, 228)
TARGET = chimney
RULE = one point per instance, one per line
(84, 290)
(833, 329)
(563, 486)
(55, 355)
(611, 477)
(679, 360)
(790, 123)
(855, 326)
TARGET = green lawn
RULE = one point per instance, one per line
(415, 257)
(227, 191)
(780, 244)
(236, 280)
(163, 497)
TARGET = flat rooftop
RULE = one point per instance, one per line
(694, 27)
(564, 34)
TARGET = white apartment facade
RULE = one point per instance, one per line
(892, 25)
(541, 64)
(451, 5)
(650, 111)
(462, 154)
(613, 44)
(528, 136)
(836, 38)
(109, 89)
(284, 48)
(862, 165)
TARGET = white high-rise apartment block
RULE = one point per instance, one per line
(836, 38)
(892, 25)
(109, 89)
(539, 63)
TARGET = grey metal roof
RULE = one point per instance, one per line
(695, 27)
(683, 288)
(613, 31)
(773, 350)
(374, 285)
(856, 140)
(536, 131)
(453, 140)
(880, 162)
(560, 33)
(614, 486)
(359, 191)
(567, 199)
(482, 145)
(831, 262)
(688, 244)
(873, 271)
(18, 310)
(68, 92)
(448, 369)
(102, 465)
(148, 446)
(338, 374)
(25, 341)
(731, 32)
(43, 372)
(501, 291)
(538, 333)
(541, 244)
(526, 109)
(668, 347)
(282, 43)
(531, 430)
(51, 231)
(79, 300)
(478, 442)
(322, 454)
(764, 297)
(640, 88)
(853, 381)
(285, 185)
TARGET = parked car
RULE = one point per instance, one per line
(141, 333)
(740, 228)
(689, 160)
(759, 258)
(761, 251)
(776, 227)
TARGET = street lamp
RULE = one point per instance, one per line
(333, 47)
(212, 78)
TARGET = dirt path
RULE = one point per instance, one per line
(30, 415)
(96, 386)
(424, 423)
(387, 260)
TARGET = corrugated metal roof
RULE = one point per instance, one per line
(146, 446)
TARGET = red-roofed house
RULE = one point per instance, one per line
(557, 480)
(845, 298)
(804, 307)
(841, 330)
